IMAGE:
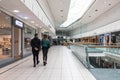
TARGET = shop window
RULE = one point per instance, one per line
(28, 35)
(5, 36)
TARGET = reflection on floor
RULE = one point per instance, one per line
(62, 65)
(27, 51)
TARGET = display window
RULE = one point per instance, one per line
(5, 36)
(28, 35)
(115, 37)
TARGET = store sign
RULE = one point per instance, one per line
(19, 23)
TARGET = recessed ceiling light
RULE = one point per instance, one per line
(96, 10)
(25, 17)
(89, 16)
(32, 22)
(41, 27)
(16, 11)
(109, 4)
(36, 24)
(61, 10)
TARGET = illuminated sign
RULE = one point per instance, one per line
(19, 23)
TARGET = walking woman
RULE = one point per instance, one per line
(45, 47)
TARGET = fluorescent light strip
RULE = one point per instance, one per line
(36, 24)
(76, 11)
(32, 22)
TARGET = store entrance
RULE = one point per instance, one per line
(17, 43)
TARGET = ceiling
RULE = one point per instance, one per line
(9, 5)
(59, 10)
(98, 8)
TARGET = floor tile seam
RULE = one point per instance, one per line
(82, 70)
(68, 62)
(75, 59)
(34, 71)
(14, 66)
(54, 66)
(51, 68)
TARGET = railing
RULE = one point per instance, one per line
(113, 49)
(83, 51)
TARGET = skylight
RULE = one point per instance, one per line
(76, 11)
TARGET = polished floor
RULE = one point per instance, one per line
(62, 65)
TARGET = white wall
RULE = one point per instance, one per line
(46, 8)
(108, 18)
(105, 29)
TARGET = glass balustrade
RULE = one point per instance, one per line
(82, 51)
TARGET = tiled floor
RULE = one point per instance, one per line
(62, 65)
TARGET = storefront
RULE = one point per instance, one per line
(18, 27)
(101, 39)
(5, 36)
(15, 39)
(90, 40)
(10, 38)
(115, 37)
(28, 35)
(107, 39)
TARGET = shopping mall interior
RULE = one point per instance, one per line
(84, 39)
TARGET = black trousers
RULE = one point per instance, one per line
(45, 51)
(35, 57)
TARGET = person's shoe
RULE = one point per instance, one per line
(34, 65)
(38, 62)
(44, 63)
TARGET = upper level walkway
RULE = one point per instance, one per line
(62, 65)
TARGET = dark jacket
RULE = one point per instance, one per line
(35, 43)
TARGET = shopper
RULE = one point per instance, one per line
(36, 45)
(45, 47)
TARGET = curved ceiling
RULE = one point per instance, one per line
(98, 8)
(23, 13)
(59, 10)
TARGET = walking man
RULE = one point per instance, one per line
(36, 45)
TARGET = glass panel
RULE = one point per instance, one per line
(28, 35)
(5, 36)
(100, 56)
(110, 60)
